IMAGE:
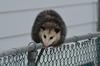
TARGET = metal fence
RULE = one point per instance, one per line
(76, 51)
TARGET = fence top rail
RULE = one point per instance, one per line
(33, 45)
(82, 37)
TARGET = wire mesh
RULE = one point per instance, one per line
(18, 59)
(82, 52)
(71, 54)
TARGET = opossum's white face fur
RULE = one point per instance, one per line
(49, 37)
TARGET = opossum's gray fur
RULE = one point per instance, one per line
(42, 18)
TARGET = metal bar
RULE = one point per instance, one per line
(14, 51)
(77, 38)
(98, 40)
(98, 25)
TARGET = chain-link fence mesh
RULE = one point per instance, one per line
(78, 53)
(19, 59)
(71, 54)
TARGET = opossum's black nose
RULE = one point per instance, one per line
(45, 46)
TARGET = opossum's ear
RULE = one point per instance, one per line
(43, 28)
(57, 30)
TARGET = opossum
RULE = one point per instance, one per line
(48, 29)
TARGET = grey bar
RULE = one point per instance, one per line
(14, 51)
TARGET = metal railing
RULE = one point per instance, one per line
(76, 51)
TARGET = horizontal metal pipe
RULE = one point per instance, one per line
(34, 45)
(82, 37)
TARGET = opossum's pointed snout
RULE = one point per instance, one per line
(45, 46)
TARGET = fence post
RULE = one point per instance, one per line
(98, 40)
(32, 52)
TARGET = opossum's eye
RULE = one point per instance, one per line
(57, 30)
(44, 36)
(42, 28)
(51, 37)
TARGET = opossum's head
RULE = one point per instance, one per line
(49, 37)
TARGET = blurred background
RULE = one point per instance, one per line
(17, 18)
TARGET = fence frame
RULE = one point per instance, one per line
(98, 29)
(32, 47)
